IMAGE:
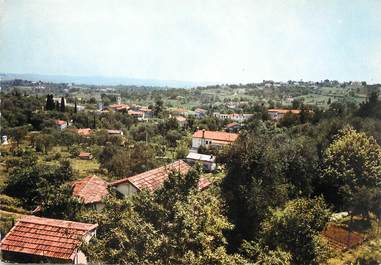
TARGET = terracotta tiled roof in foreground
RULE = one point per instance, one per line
(215, 135)
(153, 179)
(46, 237)
(91, 189)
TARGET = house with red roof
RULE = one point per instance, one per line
(233, 116)
(277, 114)
(60, 124)
(119, 107)
(114, 132)
(35, 239)
(137, 114)
(84, 131)
(181, 121)
(207, 138)
(232, 127)
(85, 156)
(153, 179)
(91, 191)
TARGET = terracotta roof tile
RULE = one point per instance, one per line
(214, 135)
(84, 154)
(154, 179)
(233, 124)
(60, 122)
(91, 189)
(284, 111)
(84, 131)
(46, 237)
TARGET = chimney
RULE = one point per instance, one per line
(203, 133)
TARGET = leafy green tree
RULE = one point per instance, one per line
(176, 225)
(18, 133)
(58, 202)
(296, 228)
(158, 107)
(260, 255)
(255, 181)
(352, 162)
(36, 179)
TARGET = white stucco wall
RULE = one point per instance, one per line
(126, 189)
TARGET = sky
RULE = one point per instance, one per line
(223, 41)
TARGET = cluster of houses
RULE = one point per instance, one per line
(34, 238)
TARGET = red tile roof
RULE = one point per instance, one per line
(84, 131)
(233, 124)
(135, 113)
(284, 111)
(84, 154)
(46, 237)
(153, 179)
(218, 136)
(60, 122)
(119, 106)
(91, 189)
(203, 184)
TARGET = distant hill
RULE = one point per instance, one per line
(102, 80)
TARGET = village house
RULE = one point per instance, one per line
(232, 127)
(234, 116)
(180, 112)
(115, 132)
(200, 113)
(85, 156)
(153, 179)
(84, 131)
(207, 138)
(207, 161)
(148, 113)
(137, 114)
(34, 239)
(91, 191)
(119, 107)
(277, 114)
(181, 121)
(61, 125)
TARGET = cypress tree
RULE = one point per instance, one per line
(57, 106)
(62, 104)
(75, 106)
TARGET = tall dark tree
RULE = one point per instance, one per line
(50, 105)
(62, 107)
(75, 106)
(57, 106)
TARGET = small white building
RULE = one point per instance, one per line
(207, 138)
(208, 161)
(200, 113)
(278, 114)
(234, 116)
(61, 125)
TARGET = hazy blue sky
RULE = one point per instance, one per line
(194, 40)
